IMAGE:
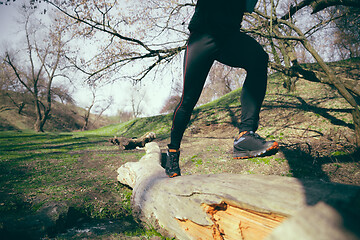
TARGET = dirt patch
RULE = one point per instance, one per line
(313, 126)
(210, 151)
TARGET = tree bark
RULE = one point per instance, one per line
(230, 206)
(88, 110)
(356, 117)
(298, 71)
(322, 4)
(132, 143)
(37, 126)
(318, 5)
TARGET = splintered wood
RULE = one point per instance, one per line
(233, 223)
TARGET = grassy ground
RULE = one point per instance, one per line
(313, 127)
(64, 117)
(77, 171)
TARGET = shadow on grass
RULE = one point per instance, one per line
(324, 112)
(309, 171)
(30, 142)
(71, 223)
(234, 119)
(308, 107)
(304, 165)
(45, 164)
(208, 114)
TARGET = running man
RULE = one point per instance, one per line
(215, 35)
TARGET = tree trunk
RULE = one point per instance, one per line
(338, 85)
(332, 79)
(38, 127)
(41, 119)
(230, 206)
(41, 116)
(88, 111)
(21, 107)
(356, 118)
(132, 143)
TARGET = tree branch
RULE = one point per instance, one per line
(8, 61)
(318, 5)
(315, 76)
(95, 25)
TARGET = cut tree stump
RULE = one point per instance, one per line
(231, 206)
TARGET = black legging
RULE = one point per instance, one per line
(233, 49)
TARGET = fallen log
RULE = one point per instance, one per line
(132, 143)
(230, 206)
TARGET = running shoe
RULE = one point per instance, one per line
(249, 144)
(172, 168)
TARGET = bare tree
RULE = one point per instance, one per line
(147, 34)
(62, 93)
(124, 116)
(286, 32)
(319, 5)
(153, 34)
(170, 104)
(225, 79)
(97, 106)
(104, 105)
(8, 85)
(42, 66)
(137, 101)
(88, 110)
(347, 31)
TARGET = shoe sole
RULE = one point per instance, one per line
(268, 152)
(173, 175)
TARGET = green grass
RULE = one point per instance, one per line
(78, 169)
(135, 128)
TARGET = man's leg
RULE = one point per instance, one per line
(198, 60)
(240, 50)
